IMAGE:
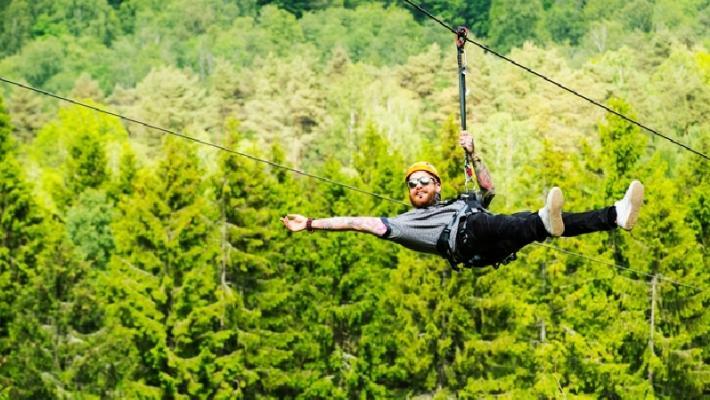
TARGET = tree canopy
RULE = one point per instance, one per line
(134, 264)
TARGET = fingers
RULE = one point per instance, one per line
(292, 221)
(291, 217)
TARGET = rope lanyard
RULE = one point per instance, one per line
(461, 34)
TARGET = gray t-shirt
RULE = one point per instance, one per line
(420, 228)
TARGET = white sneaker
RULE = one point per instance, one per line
(551, 214)
(627, 209)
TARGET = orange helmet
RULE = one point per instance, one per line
(422, 166)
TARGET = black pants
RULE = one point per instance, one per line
(494, 237)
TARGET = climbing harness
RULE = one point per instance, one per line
(471, 205)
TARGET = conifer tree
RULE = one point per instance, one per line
(170, 98)
(88, 226)
(254, 313)
(21, 234)
(671, 338)
(28, 114)
(122, 183)
(380, 167)
(160, 276)
(71, 152)
(296, 257)
(57, 339)
(322, 261)
(512, 23)
(85, 164)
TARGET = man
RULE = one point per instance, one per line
(463, 231)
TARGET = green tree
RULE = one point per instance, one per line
(124, 179)
(20, 221)
(44, 18)
(473, 14)
(71, 153)
(55, 329)
(88, 225)
(380, 168)
(28, 114)
(365, 38)
(160, 276)
(513, 22)
(169, 98)
(21, 234)
(623, 145)
(86, 165)
(270, 117)
(666, 248)
(297, 7)
(16, 23)
(564, 21)
(255, 315)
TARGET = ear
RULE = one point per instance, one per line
(438, 187)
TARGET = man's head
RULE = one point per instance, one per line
(423, 183)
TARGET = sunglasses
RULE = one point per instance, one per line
(424, 180)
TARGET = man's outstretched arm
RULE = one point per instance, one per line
(373, 225)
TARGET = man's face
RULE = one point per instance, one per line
(423, 188)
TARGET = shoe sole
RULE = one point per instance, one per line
(555, 201)
(636, 200)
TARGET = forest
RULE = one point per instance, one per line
(137, 264)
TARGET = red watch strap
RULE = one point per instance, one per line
(309, 224)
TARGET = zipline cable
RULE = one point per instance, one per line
(612, 264)
(271, 163)
(561, 86)
(196, 140)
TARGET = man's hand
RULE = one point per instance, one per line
(294, 222)
(466, 141)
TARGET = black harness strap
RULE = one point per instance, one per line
(472, 205)
(442, 244)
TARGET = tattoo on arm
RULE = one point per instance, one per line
(482, 175)
(371, 225)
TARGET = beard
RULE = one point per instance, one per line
(423, 198)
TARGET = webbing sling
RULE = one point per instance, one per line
(470, 206)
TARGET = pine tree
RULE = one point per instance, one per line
(58, 339)
(71, 153)
(88, 226)
(123, 181)
(28, 115)
(21, 234)
(664, 246)
(513, 23)
(86, 166)
(254, 313)
(160, 275)
(169, 98)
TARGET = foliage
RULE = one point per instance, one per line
(137, 265)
